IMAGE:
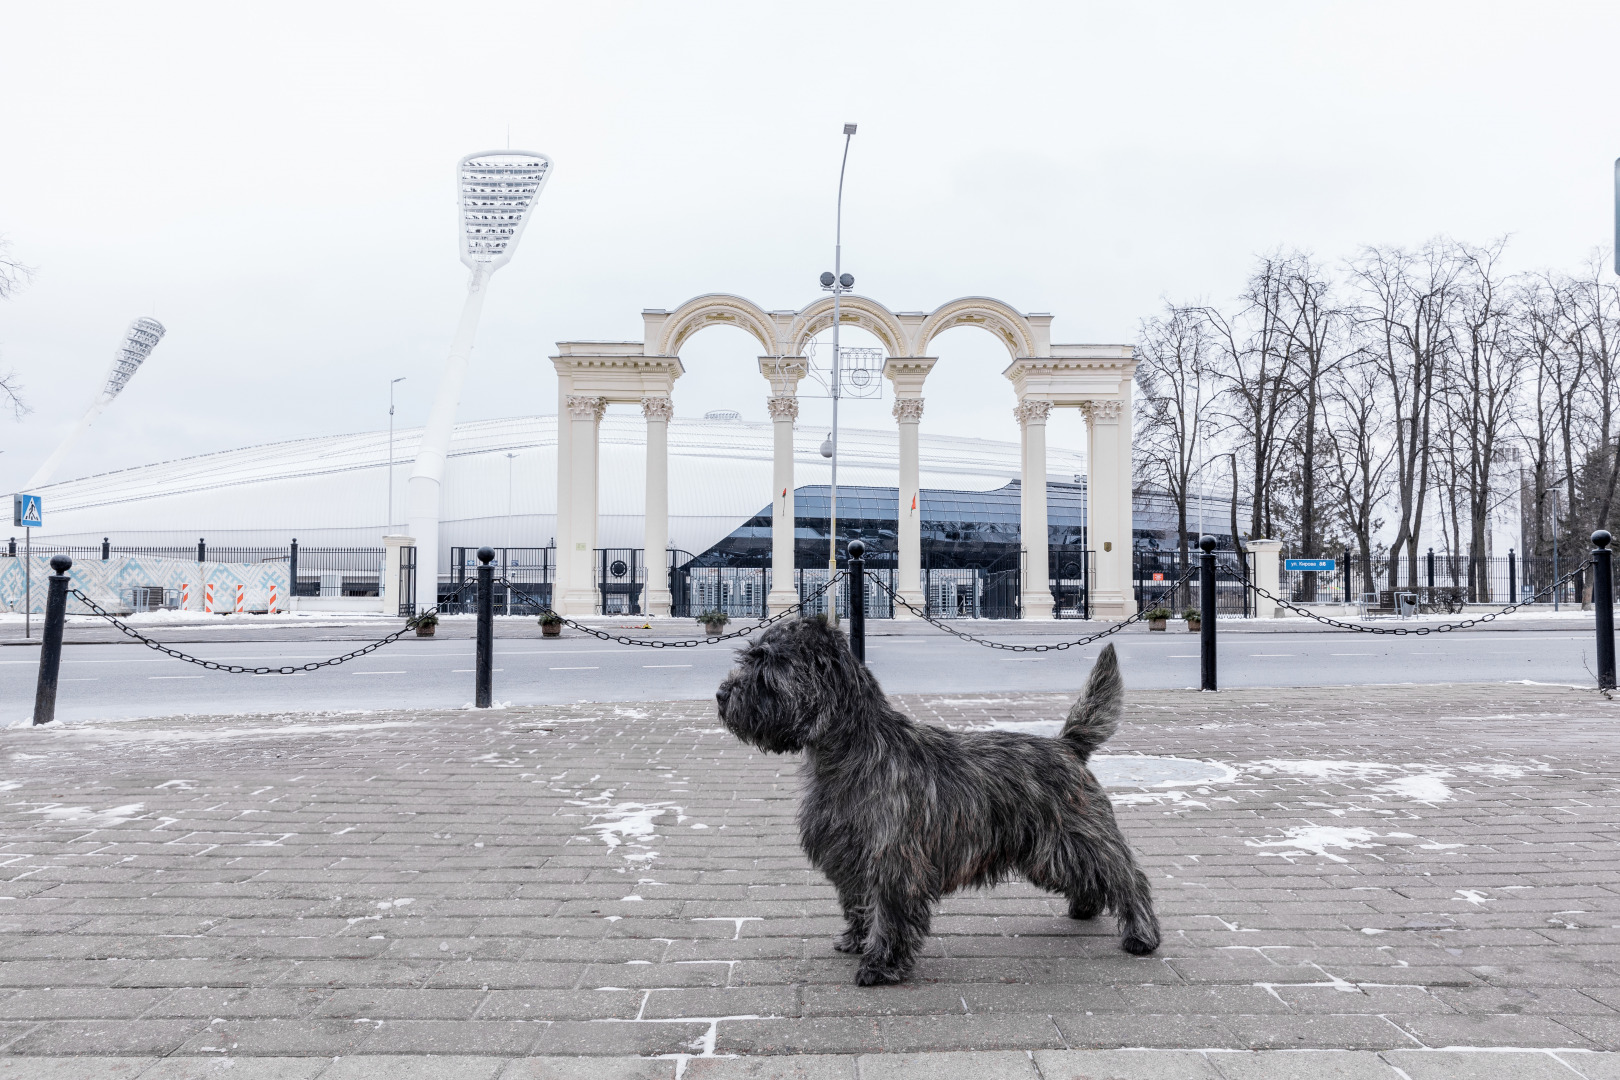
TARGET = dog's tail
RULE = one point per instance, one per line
(1095, 716)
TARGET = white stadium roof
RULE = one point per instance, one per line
(333, 490)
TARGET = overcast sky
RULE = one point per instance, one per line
(276, 182)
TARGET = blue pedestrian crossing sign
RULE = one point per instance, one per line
(1319, 565)
(27, 511)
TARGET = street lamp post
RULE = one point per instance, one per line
(391, 451)
(839, 283)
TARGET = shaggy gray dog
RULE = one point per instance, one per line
(898, 814)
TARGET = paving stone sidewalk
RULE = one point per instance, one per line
(1420, 879)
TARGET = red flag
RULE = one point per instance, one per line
(914, 503)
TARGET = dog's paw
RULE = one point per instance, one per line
(849, 942)
(1137, 945)
(872, 976)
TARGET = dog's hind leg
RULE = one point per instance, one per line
(1085, 903)
(900, 921)
(1130, 897)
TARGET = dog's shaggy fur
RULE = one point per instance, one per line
(897, 814)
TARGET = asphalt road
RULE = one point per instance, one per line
(117, 681)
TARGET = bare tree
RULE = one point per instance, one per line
(1174, 379)
(1359, 453)
(1405, 316)
(13, 276)
(1257, 389)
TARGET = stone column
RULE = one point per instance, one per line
(908, 577)
(1108, 506)
(907, 375)
(655, 537)
(1267, 575)
(1035, 589)
(784, 373)
(576, 565)
(392, 558)
(784, 592)
(563, 540)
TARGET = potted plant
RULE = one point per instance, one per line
(424, 624)
(1195, 619)
(714, 621)
(1156, 617)
(550, 624)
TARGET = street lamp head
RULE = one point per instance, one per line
(849, 129)
(826, 447)
(827, 279)
(847, 281)
(402, 378)
(498, 193)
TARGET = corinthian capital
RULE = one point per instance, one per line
(657, 408)
(1032, 411)
(908, 410)
(783, 407)
(1102, 410)
(586, 407)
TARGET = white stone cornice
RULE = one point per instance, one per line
(657, 408)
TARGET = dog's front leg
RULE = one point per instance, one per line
(900, 919)
(852, 899)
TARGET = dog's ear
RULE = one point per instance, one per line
(1095, 716)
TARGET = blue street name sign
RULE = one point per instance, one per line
(27, 511)
(1325, 565)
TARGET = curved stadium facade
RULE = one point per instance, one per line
(332, 493)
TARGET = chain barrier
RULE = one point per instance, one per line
(684, 643)
(1402, 631)
(1057, 646)
(238, 669)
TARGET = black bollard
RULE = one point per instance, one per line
(1602, 603)
(50, 646)
(484, 666)
(857, 600)
(1206, 614)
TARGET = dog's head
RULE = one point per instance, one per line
(790, 686)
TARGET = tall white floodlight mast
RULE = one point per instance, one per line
(139, 341)
(498, 192)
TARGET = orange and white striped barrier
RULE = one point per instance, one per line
(185, 596)
(274, 606)
(208, 598)
(241, 599)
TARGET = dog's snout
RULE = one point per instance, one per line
(723, 693)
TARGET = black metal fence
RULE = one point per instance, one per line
(531, 571)
(1153, 574)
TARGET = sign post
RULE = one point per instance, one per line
(28, 512)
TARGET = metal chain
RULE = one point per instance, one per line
(238, 669)
(1053, 647)
(1402, 631)
(685, 643)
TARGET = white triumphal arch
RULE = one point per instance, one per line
(1096, 379)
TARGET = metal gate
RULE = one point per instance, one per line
(1155, 572)
(1071, 573)
(407, 581)
(620, 581)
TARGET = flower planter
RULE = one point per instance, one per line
(1194, 625)
(551, 629)
(714, 629)
(1156, 624)
(425, 631)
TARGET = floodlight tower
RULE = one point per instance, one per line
(498, 191)
(139, 341)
